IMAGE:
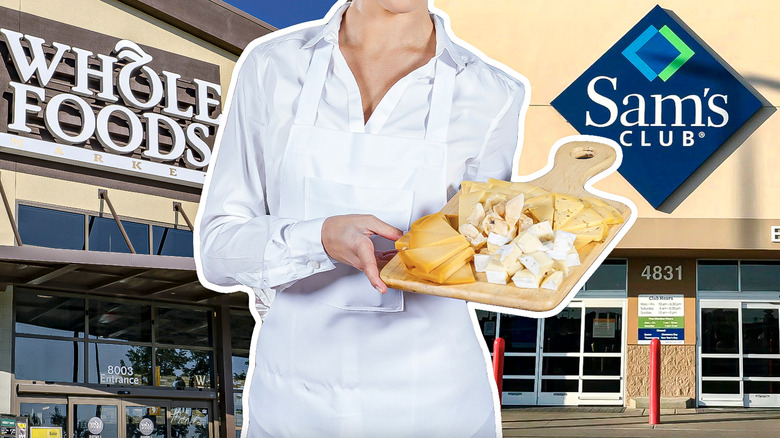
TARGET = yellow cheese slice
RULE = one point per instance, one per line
(466, 203)
(463, 275)
(590, 234)
(447, 268)
(420, 238)
(429, 257)
(611, 214)
(404, 242)
(541, 207)
(436, 223)
(566, 207)
(587, 217)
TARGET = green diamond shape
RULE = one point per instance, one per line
(682, 58)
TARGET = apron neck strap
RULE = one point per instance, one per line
(313, 84)
(441, 101)
(441, 95)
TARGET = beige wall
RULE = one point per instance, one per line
(553, 42)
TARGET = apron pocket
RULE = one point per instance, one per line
(346, 287)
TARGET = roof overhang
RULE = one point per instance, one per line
(139, 276)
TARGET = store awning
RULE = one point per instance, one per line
(150, 277)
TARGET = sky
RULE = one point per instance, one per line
(283, 13)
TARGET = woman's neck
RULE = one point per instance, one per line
(372, 28)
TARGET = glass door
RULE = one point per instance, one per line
(602, 354)
(760, 354)
(95, 418)
(521, 336)
(145, 419)
(738, 353)
(559, 379)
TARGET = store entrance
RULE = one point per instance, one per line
(573, 358)
(739, 353)
(121, 418)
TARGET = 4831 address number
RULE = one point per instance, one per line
(658, 272)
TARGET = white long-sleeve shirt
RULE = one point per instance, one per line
(242, 240)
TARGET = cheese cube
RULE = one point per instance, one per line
(573, 259)
(514, 209)
(538, 262)
(481, 261)
(509, 253)
(541, 207)
(494, 241)
(552, 281)
(528, 242)
(560, 265)
(514, 267)
(525, 279)
(562, 244)
(496, 272)
(542, 230)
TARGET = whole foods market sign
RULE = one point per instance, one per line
(664, 98)
(112, 111)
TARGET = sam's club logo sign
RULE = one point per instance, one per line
(664, 98)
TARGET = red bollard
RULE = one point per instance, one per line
(655, 381)
(498, 364)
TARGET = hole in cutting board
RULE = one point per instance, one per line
(582, 153)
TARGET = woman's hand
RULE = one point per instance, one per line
(347, 239)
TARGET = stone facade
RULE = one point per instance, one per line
(678, 371)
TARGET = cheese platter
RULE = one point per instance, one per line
(560, 230)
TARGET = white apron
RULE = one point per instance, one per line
(335, 357)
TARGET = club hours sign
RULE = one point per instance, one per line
(664, 98)
(112, 111)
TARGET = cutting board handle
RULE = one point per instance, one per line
(576, 163)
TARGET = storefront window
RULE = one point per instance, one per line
(719, 367)
(104, 235)
(760, 276)
(520, 365)
(145, 421)
(51, 228)
(120, 321)
(189, 422)
(45, 414)
(603, 330)
(171, 241)
(44, 314)
(179, 368)
(241, 327)
(718, 275)
(178, 326)
(562, 332)
(611, 275)
(49, 360)
(519, 333)
(117, 364)
(719, 331)
(760, 331)
(487, 325)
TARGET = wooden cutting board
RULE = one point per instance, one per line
(575, 163)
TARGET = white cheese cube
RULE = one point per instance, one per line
(561, 245)
(509, 253)
(525, 279)
(542, 230)
(552, 281)
(573, 259)
(514, 267)
(495, 241)
(547, 246)
(560, 265)
(528, 243)
(481, 262)
(538, 262)
(496, 272)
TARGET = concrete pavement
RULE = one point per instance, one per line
(624, 422)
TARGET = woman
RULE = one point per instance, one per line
(337, 137)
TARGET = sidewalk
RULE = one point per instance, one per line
(624, 422)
